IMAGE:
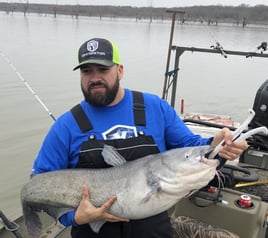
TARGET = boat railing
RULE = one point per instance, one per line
(171, 77)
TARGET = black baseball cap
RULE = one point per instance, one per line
(98, 51)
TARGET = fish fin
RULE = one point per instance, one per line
(32, 220)
(147, 197)
(111, 156)
(153, 182)
(96, 225)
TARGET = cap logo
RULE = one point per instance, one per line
(92, 45)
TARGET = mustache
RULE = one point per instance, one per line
(95, 84)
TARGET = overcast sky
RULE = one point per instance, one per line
(146, 3)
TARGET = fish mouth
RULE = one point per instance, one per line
(211, 162)
(203, 154)
(203, 157)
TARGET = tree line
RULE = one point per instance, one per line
(242, 14)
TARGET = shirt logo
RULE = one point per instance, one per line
(120, 132)
(92, 45)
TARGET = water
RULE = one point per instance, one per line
(44, 51)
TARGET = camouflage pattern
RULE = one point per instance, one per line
(186, 227)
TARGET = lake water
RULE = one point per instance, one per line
(44, 50)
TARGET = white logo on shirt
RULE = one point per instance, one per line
(120, 132)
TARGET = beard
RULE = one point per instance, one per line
(101, 99)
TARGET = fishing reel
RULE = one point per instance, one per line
(262, 47)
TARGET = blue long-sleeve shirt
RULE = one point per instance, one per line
(61, 146)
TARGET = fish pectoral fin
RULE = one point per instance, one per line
(154, 183)
(155, 191)
(111, 156)
(146, 198)
(96, 225)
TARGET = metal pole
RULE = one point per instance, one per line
(174, 12)
(27, 85)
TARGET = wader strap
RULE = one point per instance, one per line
(138, 111)
(81, 118)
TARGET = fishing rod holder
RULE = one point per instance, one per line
(262, 46)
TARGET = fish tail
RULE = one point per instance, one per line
(32, 220)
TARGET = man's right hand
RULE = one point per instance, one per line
(87, 213)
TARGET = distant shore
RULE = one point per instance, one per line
(212, 15)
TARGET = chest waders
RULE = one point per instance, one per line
(131, 148)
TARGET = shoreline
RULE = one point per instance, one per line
(193, 15)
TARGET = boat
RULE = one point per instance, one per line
(220, 211)
(212, 209)
(237, 209)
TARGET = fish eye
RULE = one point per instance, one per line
(186, 156)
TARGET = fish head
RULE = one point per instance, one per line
(190, 156)
(192, 168)
(196, 152)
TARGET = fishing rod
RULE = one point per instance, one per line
(262, 47)
(12, 226)
(217, 45)
(27, 85)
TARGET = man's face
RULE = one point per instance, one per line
(100, 83)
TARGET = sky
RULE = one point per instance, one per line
(148, 3)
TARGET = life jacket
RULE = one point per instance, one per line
(131, 148)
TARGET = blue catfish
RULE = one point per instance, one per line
(143, 187)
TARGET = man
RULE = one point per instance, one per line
(136, 123)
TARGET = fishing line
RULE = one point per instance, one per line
(217, 45)
(27, 85)
(212, 35)
(259, 48)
